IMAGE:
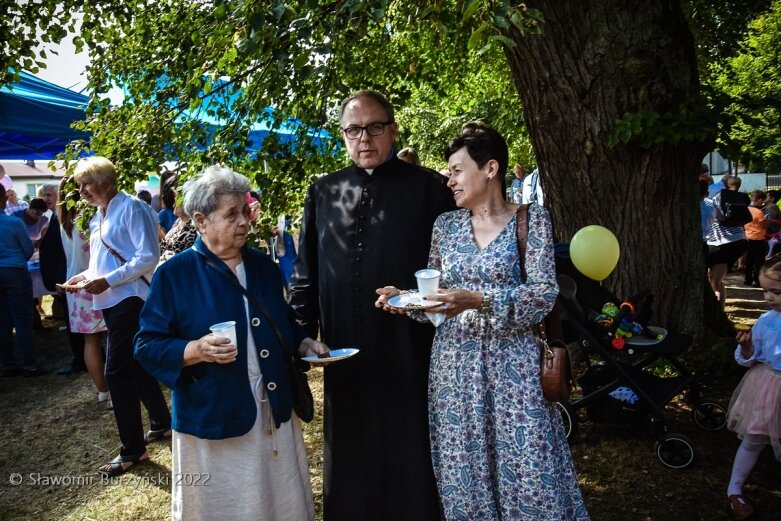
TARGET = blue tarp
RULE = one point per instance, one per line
(35, 118)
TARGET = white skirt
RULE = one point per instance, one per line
(241, 478)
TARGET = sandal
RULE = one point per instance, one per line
(740, 507)
(115, 467)
(157, 434)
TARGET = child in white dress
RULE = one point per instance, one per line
(755, 410)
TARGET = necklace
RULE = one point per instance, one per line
(486, 214)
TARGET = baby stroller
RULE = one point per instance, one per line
(617, 387)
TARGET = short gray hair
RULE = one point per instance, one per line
(201, 193)
(48, 186)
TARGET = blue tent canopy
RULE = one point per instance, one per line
(286, 131)
(35, 118)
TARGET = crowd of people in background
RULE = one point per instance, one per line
(746, 246)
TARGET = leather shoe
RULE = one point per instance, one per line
(66, 371)
(32, 373)
(740, 507)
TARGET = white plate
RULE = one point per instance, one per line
(643, 340)
(336, 355)
(411, 300)
(70, 286)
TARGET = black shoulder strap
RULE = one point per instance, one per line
(257, 305)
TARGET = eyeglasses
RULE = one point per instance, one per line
(375, 129)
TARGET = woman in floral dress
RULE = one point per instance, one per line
(498, 446)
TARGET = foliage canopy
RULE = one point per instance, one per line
(750, 81)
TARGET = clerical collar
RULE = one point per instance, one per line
(391, 155)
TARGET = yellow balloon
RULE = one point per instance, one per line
(594, 251)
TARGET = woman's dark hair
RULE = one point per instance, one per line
(703, 187)
(482, 143)
(167, 194)
(67, 215)
(145, 196)
(38, 204)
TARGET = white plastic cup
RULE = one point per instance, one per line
(225, 330)
(428, 281)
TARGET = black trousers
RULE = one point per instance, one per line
(76, 339)
(129, 383)
(755, 257)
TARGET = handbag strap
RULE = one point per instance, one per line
(252, 300)
(522, 232)
(114, 252)
(551, 325)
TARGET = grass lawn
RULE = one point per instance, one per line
(54, 436)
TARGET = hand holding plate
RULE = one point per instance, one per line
(455, 301)
(311, 347)
(385, 294)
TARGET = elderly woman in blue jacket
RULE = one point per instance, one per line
(238, 451)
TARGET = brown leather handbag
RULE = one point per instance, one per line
(555, 372)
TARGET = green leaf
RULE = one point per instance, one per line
(278, 10)
(501, 22)
(470, 9)
(477, 38)
(505, 40)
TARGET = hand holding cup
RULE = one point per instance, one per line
(220, 347)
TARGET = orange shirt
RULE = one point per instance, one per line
(756, 229)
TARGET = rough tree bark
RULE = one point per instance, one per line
(593, 63)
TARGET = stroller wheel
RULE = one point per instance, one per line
(709, 415)
(568, 418)
(675, 450)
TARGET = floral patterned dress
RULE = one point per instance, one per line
(82, 318)
(499, 448)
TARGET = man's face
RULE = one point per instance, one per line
(49, 196)
(368, 151)
(11, 194)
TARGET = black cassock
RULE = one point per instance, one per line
(361, 232)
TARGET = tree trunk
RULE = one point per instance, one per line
(594, 63)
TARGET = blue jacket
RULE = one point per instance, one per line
(214, 401)
(15, 246)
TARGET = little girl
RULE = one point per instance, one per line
(755, 410)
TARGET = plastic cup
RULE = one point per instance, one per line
(225, 330)
(428, 281)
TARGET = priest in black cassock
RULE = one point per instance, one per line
(365, 227)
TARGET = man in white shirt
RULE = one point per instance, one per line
(124, 252)
(532, 188)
